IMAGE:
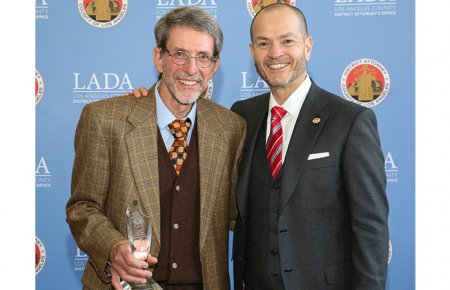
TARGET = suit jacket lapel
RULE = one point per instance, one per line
(302, 141)
(143, 153)
(255, 119)
(209, 132)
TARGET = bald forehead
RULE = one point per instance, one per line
(289, 10)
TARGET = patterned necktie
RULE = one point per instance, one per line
(178, 150)
(274, 148)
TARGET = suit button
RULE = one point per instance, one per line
(273, 275)
(275, 209)
(177, 188)
(274, 230)
(174, 265)
(274, 253)
(241, 260)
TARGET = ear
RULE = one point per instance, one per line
(308, 47)
(252, 50)
(216, 65)
(157, 59)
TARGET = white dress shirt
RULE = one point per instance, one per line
(292, 106)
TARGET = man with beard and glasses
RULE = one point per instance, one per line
(312, 207)
(174, 153)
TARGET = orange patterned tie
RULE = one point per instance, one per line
(178, 150)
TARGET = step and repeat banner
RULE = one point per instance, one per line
(88, 50)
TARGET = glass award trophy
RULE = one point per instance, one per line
(139, 232)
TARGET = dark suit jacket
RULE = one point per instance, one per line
(116, 160)
(333, 210)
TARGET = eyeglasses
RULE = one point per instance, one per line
(180, 57)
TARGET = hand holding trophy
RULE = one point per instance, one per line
(139, 232)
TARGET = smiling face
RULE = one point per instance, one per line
(181, 85)
(280, 48)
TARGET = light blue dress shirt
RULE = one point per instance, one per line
(164, 117)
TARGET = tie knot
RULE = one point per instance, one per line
(278, 113)
(180, 128)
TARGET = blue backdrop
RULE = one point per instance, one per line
(363, 50)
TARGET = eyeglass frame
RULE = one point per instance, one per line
(213, 59)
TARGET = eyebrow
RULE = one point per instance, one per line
(261, 38)
(289, 34)
(185, 50)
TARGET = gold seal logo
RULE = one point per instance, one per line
(207, 93)
(103, 13)
(254, 6)
(365, 82)
(38, 87)
(40, 256)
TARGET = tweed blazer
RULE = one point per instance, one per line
(116, 160)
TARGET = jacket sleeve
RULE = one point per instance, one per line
(234, 174)
(365, 180)
(93, 232)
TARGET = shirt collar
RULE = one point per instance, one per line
(295, 101)
(164, 116)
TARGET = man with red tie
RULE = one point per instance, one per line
(312, 207)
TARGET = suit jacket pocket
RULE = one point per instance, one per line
(338, 273)
(320, 162)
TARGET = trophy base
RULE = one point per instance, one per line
(142, 287)
(150, 285)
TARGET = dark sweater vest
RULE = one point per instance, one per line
(262, 267)
(179, 256)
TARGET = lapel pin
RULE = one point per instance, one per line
(316, 120)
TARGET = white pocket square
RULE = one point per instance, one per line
(318, 155)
